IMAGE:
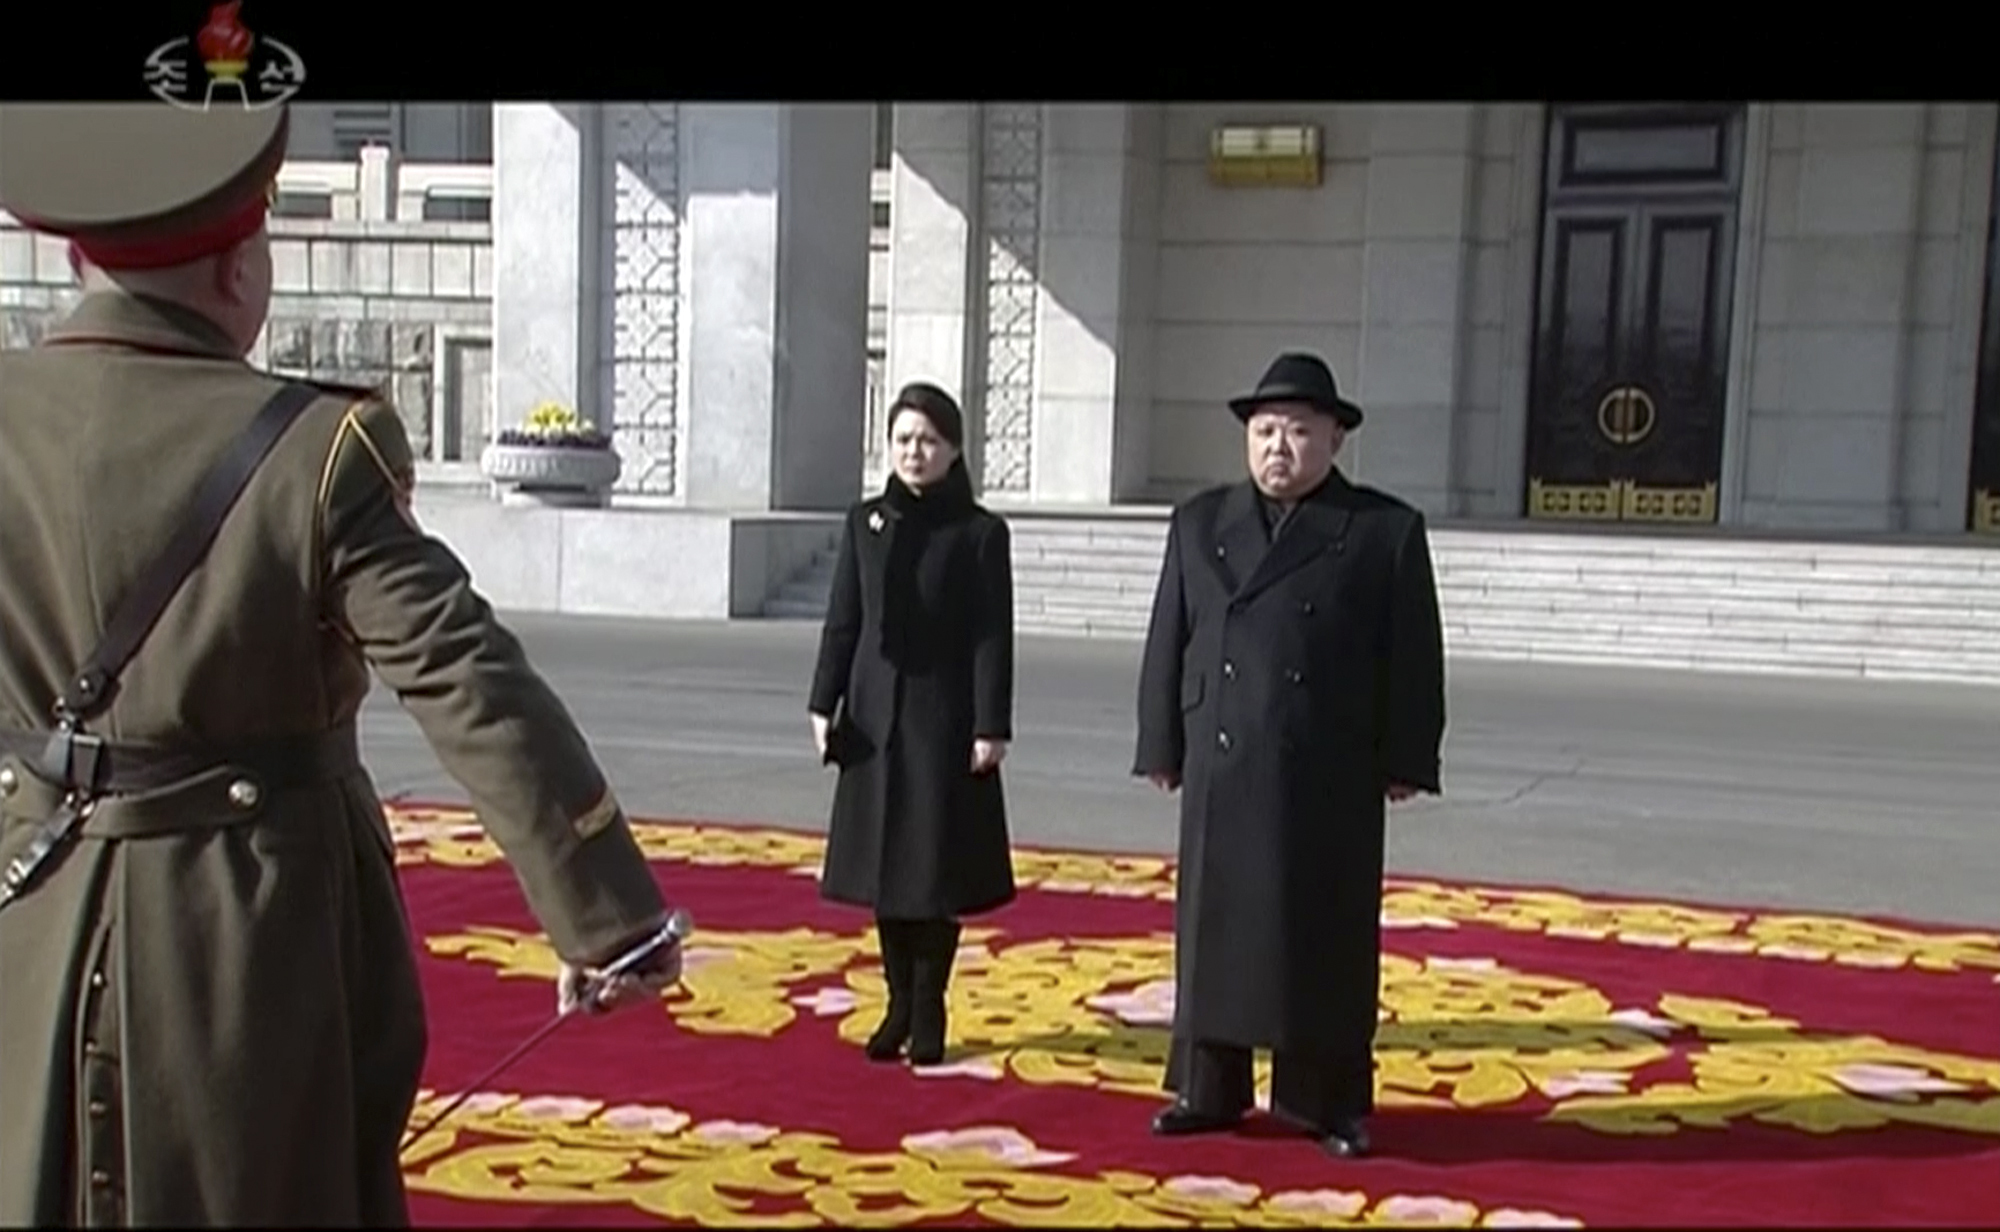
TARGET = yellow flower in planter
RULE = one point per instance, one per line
(552, 425)
(553, 458)
(552, 418)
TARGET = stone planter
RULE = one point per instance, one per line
(563, 476)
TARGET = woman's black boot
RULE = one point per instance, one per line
(935, 946)
(887, 1042)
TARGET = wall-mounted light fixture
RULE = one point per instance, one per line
(1265, 155)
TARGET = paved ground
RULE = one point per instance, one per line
(1849, 796)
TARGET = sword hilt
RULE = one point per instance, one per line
(678, 927)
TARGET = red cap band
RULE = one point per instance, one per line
(220, 236)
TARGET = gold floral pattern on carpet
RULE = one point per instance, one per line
(451, 837)
(1457, 1033)
(556, 1150)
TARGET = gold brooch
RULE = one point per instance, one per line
(875, 521)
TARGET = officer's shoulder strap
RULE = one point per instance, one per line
(91, 689)
(353, 393)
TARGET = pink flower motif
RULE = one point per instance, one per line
(645, 1118)
(981, 1068)
(996, 1142)
(556, 1108)
(1883, 962)
(1211, 1189)
(430, 1103)
(826, 1002)
(1866, 1079)
(735, 1131)
(1332, 1203)
(1150, 1004)
(486, 1103)
(1592, 1082)
(1124, 889)
(696, 957)
(1661, 941)
(1722, 945)
(1644, 1020)
(1801, 952)
(1507, 1217)
(1403, 1209)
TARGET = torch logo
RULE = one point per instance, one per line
(235, 66)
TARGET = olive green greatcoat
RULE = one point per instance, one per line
(219, 1022)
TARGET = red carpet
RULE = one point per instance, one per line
(1544, 1059)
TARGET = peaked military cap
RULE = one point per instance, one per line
(140, 185)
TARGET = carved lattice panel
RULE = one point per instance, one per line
(645, 209)
(1011, 187)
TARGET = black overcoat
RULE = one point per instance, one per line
(1288, 681)
(916, 660)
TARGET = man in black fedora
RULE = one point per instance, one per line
(1292, 682)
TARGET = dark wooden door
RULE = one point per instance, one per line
(1984, 512)
(1631, 354)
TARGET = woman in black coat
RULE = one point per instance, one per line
(913, 700)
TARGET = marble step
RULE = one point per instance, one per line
(1837, 609)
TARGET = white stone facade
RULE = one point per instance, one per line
(706, 281)
(1098, 341)
(695, 278)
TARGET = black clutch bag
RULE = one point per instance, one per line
(842, 743)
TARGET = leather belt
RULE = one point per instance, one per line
(75, 765)
(144, 790)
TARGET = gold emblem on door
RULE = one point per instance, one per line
(1626, 415)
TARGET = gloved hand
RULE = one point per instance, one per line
(642, 982)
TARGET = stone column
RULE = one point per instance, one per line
(545, 280)
(1021, 277)
(643, 301)
(1096, 256)
(693, 277)
(1416, 266)
(777, 217)
(934, 264)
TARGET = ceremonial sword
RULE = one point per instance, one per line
(675, 930)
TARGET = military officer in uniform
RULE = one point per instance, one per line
(211, 1012)
(1292, 681)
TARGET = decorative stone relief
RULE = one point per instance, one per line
(28, 311)
(1011, 187)
(642, 141)
(392, 357)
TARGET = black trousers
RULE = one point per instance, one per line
(1312, 1089)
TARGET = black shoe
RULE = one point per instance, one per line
(927, 1027)
(887, 1042)
(1180, 1118)
(1346, 1138)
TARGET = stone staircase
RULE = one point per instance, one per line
(1909, 611)
(1903, 611)
(803, 596)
